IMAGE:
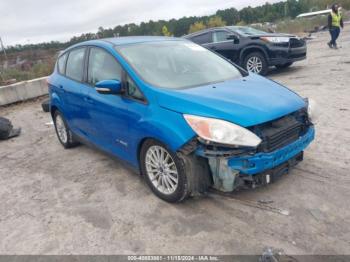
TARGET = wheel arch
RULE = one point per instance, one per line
(156, 138)
(251, 49)
(55, 103)
(138, 150)
(53, 109)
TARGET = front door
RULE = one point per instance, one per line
(225, 47)
(108, 114)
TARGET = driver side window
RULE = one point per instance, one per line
(102, 66)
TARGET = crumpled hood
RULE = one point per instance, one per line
(246, 101)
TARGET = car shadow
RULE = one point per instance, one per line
(273, 71)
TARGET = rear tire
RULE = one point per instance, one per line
(256, 63)
(164, 172)
(64, 134)
(286, 65)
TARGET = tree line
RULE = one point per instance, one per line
(179, 27)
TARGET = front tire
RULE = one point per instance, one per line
(164, 172)
(64, 134)
(256, 63)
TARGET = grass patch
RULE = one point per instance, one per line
(36, 71)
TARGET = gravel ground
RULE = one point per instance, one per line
(80, 201)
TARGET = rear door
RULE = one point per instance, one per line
(71, 88)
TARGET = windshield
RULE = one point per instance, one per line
(177, 64)
(245, 30)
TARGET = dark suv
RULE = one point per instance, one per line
(250, 48)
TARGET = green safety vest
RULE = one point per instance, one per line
(336, 19)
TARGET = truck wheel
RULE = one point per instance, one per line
(256, 63)
(164, 172)
(284, 65)
(64, 135)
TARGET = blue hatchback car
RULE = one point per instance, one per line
(186, 118)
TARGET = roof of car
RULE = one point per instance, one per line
(230, 28)
(125, 40)
(206, 30)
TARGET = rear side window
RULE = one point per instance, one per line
(220, 36)
(102, 66)
(75, 64)
(61, 64)
(202, 39)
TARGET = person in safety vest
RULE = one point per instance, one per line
(335, 22)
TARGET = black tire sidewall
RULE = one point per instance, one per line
(182, 190)
(70, 141)
(261, 56)
(46, 106)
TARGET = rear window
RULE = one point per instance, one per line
(75, 64)
(61, 64)
(202, 39)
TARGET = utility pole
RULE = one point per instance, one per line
(3, 48)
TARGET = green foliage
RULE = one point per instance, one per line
(37, 70)
(197, 26)
(215, 21)
(178, 27)
(241, 23)
(230, 15)
(165, 31)
(17, 74)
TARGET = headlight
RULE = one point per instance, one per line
(312, 109)
(275, 39)
(222, 132)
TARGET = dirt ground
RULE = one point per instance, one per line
(80, 201)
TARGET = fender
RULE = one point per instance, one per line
(166, 126)
(244, 50)
(55, 101)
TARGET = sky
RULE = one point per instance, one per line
(34, 21)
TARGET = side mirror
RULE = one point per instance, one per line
(233, 37)
(109, 87)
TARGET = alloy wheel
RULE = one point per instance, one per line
(254, 64)
(61, 129)
(161, 170)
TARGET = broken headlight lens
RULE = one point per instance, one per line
(223, 132)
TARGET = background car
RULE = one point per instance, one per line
(184, 117)
(253, 49)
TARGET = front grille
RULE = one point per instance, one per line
(281, 132)
(296, 42)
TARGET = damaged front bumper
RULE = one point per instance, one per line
(231, 172)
